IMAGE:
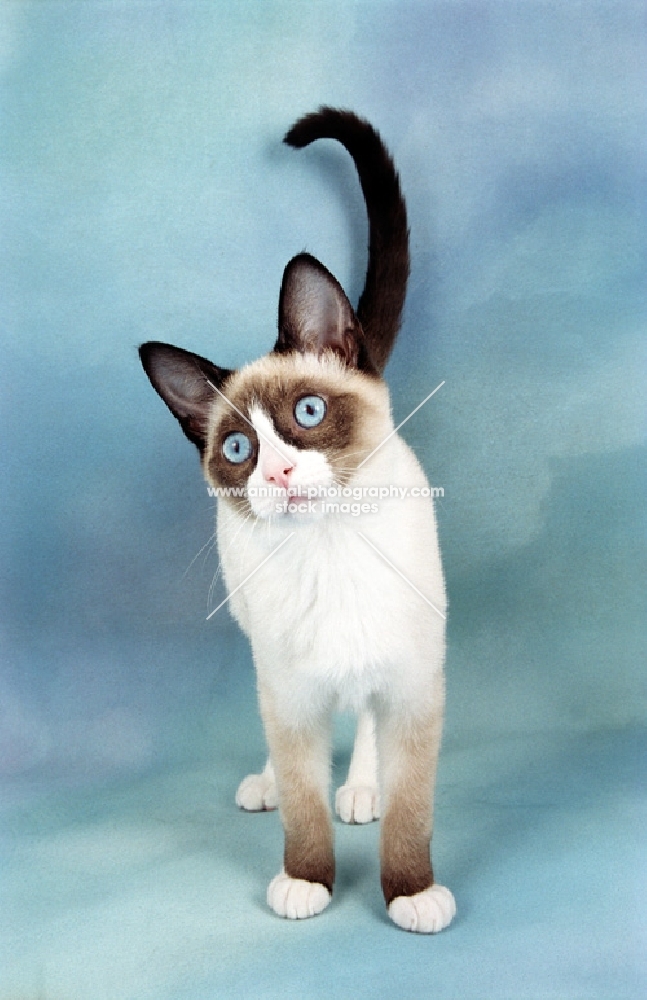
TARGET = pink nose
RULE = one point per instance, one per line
(275, 468)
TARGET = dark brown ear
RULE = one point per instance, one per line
(182, 380)
(315, 314)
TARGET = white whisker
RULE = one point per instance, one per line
(208, 544)
(218, 572)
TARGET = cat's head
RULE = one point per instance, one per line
(302, 417)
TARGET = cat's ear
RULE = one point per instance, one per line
(315, 314)
(187, 383)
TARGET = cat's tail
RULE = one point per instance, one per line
(381, 303)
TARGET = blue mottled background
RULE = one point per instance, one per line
(145, 193)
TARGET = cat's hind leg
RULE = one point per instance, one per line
(358, 800)
(408, 754)
(257, 792)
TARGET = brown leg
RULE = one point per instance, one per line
(300, 756)
(408, 753)
(409, 750)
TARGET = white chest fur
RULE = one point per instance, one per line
(348, 607)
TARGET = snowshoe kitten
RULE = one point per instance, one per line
(343, 602)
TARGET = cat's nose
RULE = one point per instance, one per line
(275, 468)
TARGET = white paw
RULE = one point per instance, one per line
(357, 803)
(257, 792)
(295, 898)
(427, 912)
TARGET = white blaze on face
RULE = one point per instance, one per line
(282, 471)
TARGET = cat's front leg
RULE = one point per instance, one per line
(358, 800)
(300, 755)
(408, 749)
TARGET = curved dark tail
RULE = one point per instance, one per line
(381, 303)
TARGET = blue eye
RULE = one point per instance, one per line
(309, 411)
(237, 447)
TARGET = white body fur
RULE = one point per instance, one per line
(331, 624)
